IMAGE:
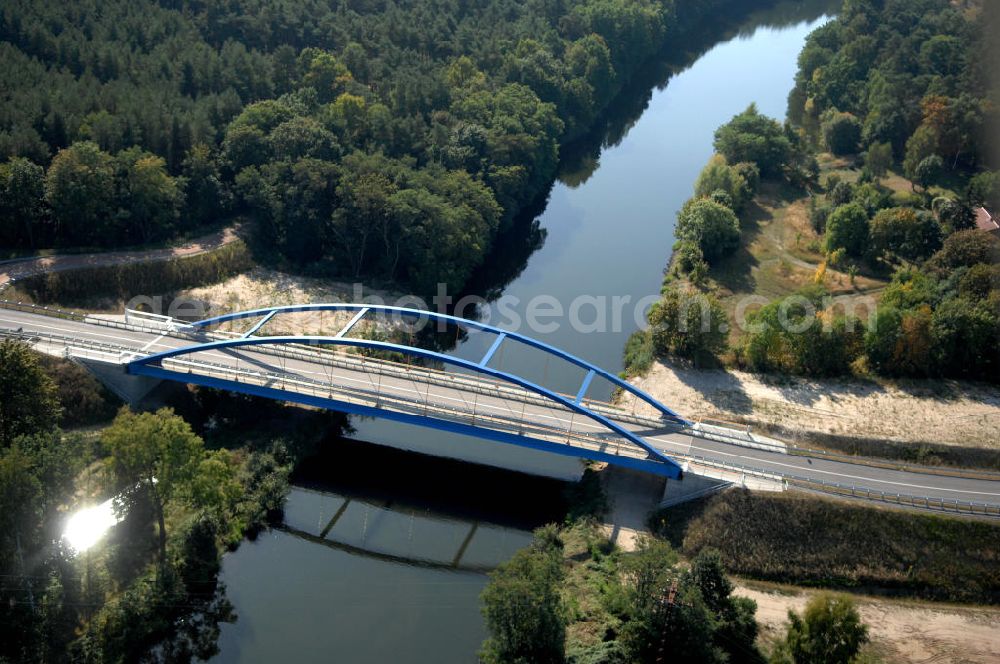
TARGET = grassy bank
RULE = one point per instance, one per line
(91, 287)
(825, 543)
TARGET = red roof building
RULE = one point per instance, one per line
(986, 221)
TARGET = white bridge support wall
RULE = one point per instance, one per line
(466, 448)
(130, 389)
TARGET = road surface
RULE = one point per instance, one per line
(456, 395)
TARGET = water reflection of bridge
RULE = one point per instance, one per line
(399, 534)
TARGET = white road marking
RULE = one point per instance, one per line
(504, 405)
(146, 347)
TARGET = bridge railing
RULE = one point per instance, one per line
(975, 508)
(604, 442)
(379, 397)
(94, 319)
(478, 384)
(72, 347)
(968, 473)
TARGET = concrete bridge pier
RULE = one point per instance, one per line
(692, 486)
(130, 389)
(701, 480)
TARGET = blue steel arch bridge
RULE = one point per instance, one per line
(484, 401)
(475, 397)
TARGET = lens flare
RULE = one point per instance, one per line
(85, 528)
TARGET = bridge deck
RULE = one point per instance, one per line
(485, 403)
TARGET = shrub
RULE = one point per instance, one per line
(984, 189)
(818, 214)
(847, 227)
(79, 287)
(828, 631)
(714, 227)
(878, 159)
(524, 611)
(84, 400)
(905, 232)
(967, 248)
(755, 138)
(929, 170)
(842, 133)
(639, 353)
(718, 176)
(688, 323)
(793, 336)
(953, 215)
(840, 193)
(871, 197)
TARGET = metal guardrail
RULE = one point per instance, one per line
(106, 351)
(854, 491)
(877, 462)
(607, 443)
(474, 384)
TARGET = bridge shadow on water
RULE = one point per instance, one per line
(409, 509)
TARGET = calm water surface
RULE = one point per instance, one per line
(357, 578)
(612, 234)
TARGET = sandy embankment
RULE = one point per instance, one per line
(900, 631)
(939, 411)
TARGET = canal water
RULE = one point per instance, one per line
(382, 565)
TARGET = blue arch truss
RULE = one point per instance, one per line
(656, 461)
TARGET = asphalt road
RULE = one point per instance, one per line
(425, 388)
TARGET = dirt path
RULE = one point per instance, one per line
(900, 631)
(20, 268)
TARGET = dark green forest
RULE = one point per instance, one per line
(388, 140)
(913, 74)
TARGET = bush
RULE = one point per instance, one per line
(878, 159)
(967, 248)
(688, 323)
(789, 336)
(984, 190)
(755, 138)
(840, 193)
(847, 227)
(904, 232)
(84, 400)
(639, 353)
(818, 214)
(829, 631)
(871, 197)
(524, 611)
(688, 257)
(953, 215)
(842, 133)
(738, 182)
(928, 171)
(712, 226)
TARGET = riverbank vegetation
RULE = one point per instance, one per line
(95, 287)
(182, 498)
(571, 597)
(826, 543)
(865, 272)
(391, 142)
